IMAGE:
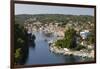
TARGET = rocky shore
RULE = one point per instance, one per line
(82, 53)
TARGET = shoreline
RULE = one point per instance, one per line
(65, 51)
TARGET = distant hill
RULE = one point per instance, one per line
(59, 18)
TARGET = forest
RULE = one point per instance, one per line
(20, 44)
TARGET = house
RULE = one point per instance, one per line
(84, 34)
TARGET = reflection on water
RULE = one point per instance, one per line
(40, 54)
(31, 44)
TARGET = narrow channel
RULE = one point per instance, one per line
(40, 54)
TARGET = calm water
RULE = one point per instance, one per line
(40, 54)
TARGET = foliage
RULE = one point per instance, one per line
(69, 40)
(79, 47)
(91, 39)
(20, 43)
(55, 18)
(59, 43)
(21, 40)
(18, 54)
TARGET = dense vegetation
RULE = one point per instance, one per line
(20, 44)
(59, 18)
(91, 39)
(69, 41)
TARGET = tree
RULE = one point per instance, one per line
(69, 40)
(91, 39)
(20, 44)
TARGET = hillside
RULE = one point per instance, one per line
(59, 18)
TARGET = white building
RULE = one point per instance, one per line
(84, 34)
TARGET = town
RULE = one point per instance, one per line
(83, 29)
(83, 25)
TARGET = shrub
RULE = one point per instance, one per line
(69, 40)
(79, 47)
